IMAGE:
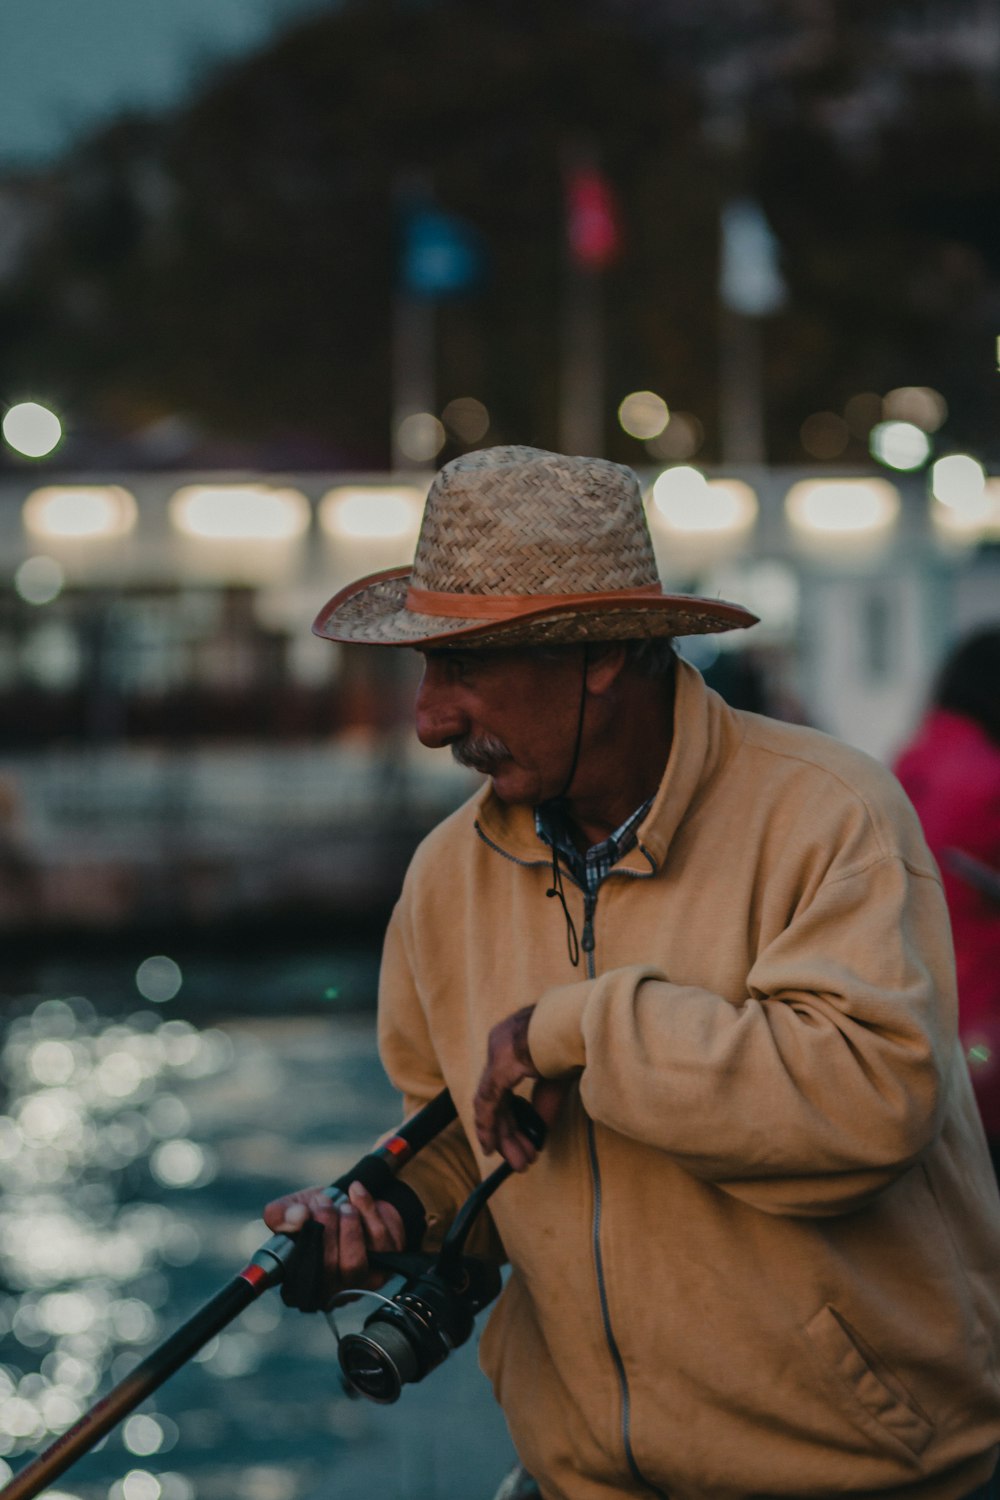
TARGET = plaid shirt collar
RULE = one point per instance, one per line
(588, 870)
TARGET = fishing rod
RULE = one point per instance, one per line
(266, 1268)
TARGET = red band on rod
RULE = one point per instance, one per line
(253, 1274)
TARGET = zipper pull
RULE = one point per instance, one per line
(587, 936)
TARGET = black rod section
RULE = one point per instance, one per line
(265, 1269)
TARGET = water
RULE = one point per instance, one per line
(136, 1151)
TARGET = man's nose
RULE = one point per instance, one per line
(439, 718)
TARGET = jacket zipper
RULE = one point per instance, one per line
(587, 944)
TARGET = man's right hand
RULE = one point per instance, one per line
(351, 1232)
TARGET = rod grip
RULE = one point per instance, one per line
(424, 1125)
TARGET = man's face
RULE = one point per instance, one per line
(511, 714)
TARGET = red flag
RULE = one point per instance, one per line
(593, 223)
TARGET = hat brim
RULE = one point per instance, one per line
(373, 612)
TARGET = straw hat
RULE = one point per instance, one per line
(518, 547)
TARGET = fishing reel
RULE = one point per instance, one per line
(410, 1334)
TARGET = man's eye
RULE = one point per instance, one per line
(462, 668)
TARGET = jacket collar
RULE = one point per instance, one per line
(706, 731)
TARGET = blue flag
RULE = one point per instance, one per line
(441, 254)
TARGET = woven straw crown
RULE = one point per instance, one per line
(517, 546)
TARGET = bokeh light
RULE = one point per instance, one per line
(685, 501)
(85, 512)
(53, 654)
(970, 516)
(842, 507)
(140, 1484)
(959, 480)
(680, 439)
(466, 419)
(52, 1062)
(371, 512)
(240, 512)
(67, 1312)
(643, 414)
(176, 1487)
(81, 1268)
(39, 580)
(824, 435)
(919, 404)
(158, 979)
(178, 1163)
(142, 1435)
(32, 429)
(421, 436)
(133, 1322)
(59, 1409)
(167, 1116)
(899, 445)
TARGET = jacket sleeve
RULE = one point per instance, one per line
(445, 1171)
(816, 1090)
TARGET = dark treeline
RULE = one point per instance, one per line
(220, 283)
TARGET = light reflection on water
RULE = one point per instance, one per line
(135, 1156)
(110, 1130)
(87, 1115)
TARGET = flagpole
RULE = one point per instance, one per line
(592, 243)
(413, 329)
(741, 396)
(413, 388)
(750, 288)
(439, 255)
(581, 414)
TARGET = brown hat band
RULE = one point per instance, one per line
(508, 606)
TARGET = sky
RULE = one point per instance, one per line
(67, 66)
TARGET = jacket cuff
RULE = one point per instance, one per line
(410, 1209)
(555, 1031)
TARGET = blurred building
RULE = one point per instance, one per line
(175, 746)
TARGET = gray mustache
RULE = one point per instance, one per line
(480, 752)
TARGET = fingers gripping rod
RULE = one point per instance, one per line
(266, 1268)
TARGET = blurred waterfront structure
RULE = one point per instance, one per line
(176, 749)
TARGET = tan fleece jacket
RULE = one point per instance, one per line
(760, 1255)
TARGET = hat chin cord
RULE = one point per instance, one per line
(556, 888)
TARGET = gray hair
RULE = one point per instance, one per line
(653, 657)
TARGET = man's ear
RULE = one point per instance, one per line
(605, 664)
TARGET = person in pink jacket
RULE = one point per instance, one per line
(951, 773)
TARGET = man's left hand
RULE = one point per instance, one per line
(508, 1062)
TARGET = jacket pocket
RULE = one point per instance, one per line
(871, 1389)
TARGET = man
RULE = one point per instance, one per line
(760, 1254)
